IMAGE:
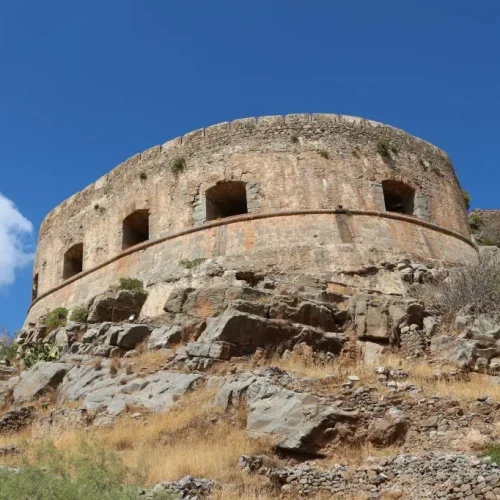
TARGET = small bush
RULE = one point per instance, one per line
(79, 315)
(294, 139)
(56, 318)
(473, 287)
(114, 366)
(47, 351)
(383, 149)
(475, 221)
(190, 264)
(324, 154)
(178, 165)
(466, 198)
(493, 451)
(8, 349)
(143, 176)
(132, 284)
(394, 150)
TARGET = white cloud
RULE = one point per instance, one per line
(15, 236)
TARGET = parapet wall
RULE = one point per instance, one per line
(291, 163)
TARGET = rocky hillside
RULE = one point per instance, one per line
(485, 226)
(261, 387)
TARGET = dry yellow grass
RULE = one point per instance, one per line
(195, 438)
(147, 361)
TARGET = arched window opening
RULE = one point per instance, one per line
(135, 228)
(73, 261)
(398, 197)
(34, 288)
(226, 199)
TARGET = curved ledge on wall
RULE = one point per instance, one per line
(249, 217)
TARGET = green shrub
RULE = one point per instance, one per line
(56, 318)
(294, 139)
(324, 154)
(178, 165)
(8, 349)
(143, 176)
(79, 315)
(475, 221)
(190, 264)
(493, 451)
(383, 149)
(466, 198)
(132, 284)
(47, 351)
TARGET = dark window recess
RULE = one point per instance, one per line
(135, 228)
(73, 261)
(226, 199)
(398, 197)
(34, 288)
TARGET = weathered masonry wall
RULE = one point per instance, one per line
(296, 162)
(333, 247)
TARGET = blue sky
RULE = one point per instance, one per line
(84, 85)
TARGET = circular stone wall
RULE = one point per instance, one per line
(322, 195)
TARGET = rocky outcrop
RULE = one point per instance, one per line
(99, 391)
(40, 378)
(298, 422)
(116, 306)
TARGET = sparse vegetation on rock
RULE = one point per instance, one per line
(56, 318)
(132, 284)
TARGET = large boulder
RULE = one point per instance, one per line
(247, 331)
(127, 304)
(165, 336)
(127, 335)
(388, 430)
(458, 350)
(38, 379)
(116, 306)
(298, 422)
(101, 308)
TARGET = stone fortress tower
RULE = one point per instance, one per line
(300, 198)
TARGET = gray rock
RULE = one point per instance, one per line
(116, 306)
(370, 352)
(457, 350)
(101, 308)
(95, 332)
(247, 331)
(165, 336)
(99, 391)
(298, 420)
(127, 335)
(38, 379)
(128, 303)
